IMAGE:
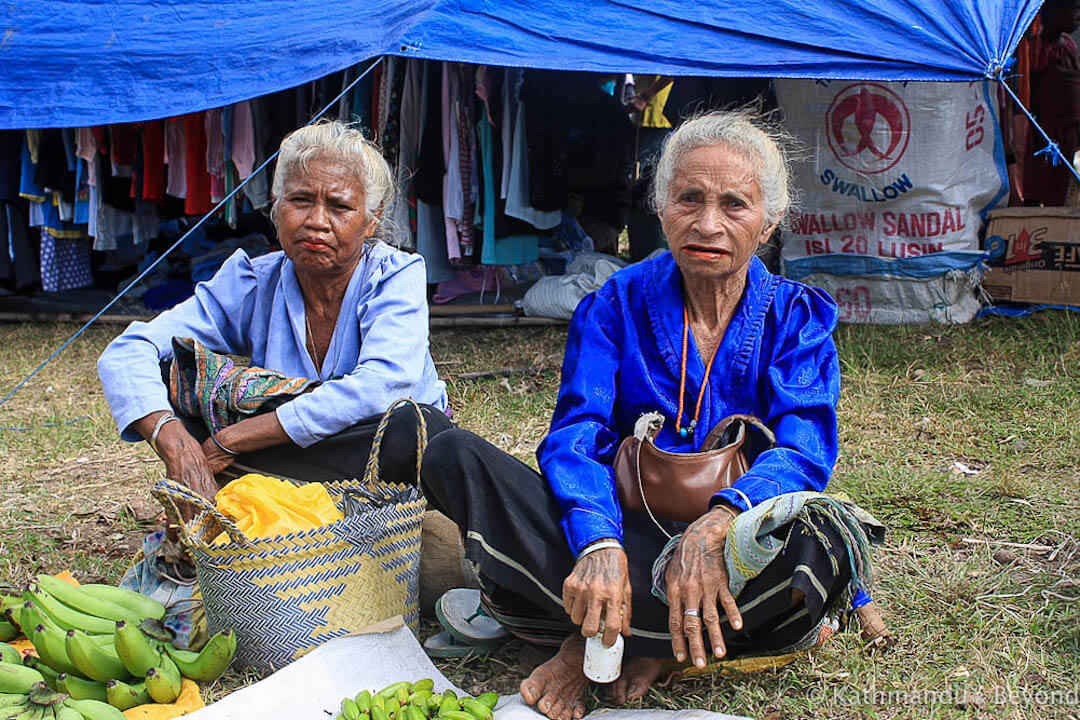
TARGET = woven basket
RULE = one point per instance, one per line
(286, 595)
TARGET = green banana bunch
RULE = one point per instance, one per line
(163, 681)
(10, 654)
(47, 672)
(9, 630)
(92, 660)
(78, 599)
(94, 710)
(29, 618)
(209, 663)
(143, 606)
(135, 649)
(416, 701)
(123, 696)
(18, 678)
(68, 618)
(81, 688)
(52, 649)
(12, 703)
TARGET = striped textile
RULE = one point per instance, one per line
(206, 384)
(752, 543)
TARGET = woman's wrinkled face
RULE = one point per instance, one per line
(322, 222)
(714, 218)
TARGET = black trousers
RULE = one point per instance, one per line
(511, 525)
(343, 455)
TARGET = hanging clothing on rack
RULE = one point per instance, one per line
(197, 199)
(453, 191)
(427, 184)
(517, 197)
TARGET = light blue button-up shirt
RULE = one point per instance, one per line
(378, 352)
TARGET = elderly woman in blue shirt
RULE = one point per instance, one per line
(338, 308)
(696, 334)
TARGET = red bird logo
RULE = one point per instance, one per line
(863, 105)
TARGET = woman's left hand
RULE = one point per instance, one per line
(216, 458)
(696, 578)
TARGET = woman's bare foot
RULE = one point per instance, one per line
(638, 675)
(557, 688)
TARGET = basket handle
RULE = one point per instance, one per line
(371, 472)
(168, 491)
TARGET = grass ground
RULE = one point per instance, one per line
(961, 440)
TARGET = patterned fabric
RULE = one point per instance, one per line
(751, 546)
(65, 263)
(466, 160)
(206, 384)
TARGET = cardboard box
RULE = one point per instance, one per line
(1034, 255)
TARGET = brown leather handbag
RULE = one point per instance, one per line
(679, 486)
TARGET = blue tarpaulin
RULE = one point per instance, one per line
(67, 63)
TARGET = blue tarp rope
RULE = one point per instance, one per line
(172, 247)
(1051, 148)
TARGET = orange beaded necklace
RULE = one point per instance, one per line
(689, 429)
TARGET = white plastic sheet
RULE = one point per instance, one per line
(312, 687)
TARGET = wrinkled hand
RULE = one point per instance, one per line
(216, 459)
(599, 586)
(696, 578)
(185, 460)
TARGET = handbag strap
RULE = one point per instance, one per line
(167, 491)
(641, 487)
(371, 471)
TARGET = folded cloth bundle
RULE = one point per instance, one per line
(264, 507)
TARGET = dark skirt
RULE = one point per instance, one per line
(511, 525)
(342, 456)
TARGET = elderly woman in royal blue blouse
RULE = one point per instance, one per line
(697, 334)
(337, 306)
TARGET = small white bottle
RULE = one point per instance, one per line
(603, 664)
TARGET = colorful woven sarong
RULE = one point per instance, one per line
(206, 384)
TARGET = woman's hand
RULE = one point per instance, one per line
(216, 458)
(599, 586)
(185, 461)
(696, 578)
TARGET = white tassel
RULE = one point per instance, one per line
(648, 424)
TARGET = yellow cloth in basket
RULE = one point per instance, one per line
(265, 507)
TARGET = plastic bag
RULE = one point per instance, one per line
(264, 507)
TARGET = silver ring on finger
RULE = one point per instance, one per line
(692, 612)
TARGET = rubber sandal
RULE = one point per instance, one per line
(445, 645)
(461, 615)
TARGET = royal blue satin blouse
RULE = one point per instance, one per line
(776, 360)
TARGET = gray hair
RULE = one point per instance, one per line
(335, 140)
(744, 131)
